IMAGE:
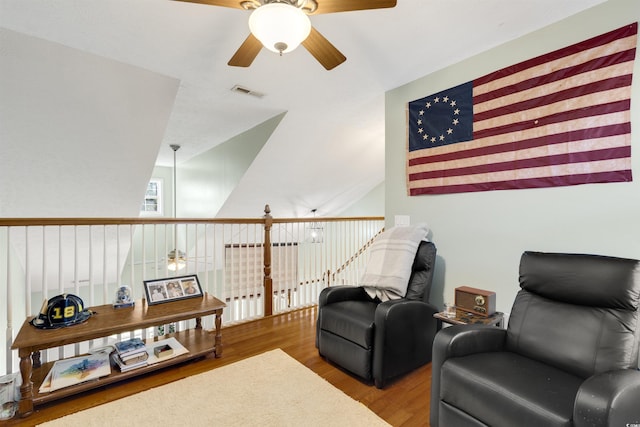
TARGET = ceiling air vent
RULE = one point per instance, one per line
(246, 91)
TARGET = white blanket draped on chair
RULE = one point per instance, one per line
(390, 259)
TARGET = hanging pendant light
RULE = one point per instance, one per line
(176, 259)
(316, 232)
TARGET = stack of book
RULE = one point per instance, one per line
(130, 354)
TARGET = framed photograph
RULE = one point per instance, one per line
(172, 289)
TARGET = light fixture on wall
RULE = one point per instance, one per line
(176, 259)
(280, 26)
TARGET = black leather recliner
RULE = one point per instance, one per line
(380, 340)
(569, 356)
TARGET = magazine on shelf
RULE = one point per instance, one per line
(127, 367)
(76, 370)
(132, 358)
(130, 346)
(176, 349)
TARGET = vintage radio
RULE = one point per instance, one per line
(477, 301)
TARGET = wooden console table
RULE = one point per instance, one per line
(107, 321)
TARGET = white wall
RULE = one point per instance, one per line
(79, 133)
(205, 182)
(372, 204)
(481, 236)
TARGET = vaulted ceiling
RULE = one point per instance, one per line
(327, 151)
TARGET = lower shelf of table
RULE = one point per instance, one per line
(198, 341)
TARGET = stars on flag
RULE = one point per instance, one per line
(446, 102)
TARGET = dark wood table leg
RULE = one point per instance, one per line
(35, 359)
(218, 339)
(25, 406)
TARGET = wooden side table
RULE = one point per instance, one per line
(466, 318)
(107, 321)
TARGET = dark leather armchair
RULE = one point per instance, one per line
(380, 340)
(569, 356)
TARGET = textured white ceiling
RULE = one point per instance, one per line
(329, 149)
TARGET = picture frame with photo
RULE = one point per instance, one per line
(159, 291)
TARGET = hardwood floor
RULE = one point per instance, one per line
(404, 402)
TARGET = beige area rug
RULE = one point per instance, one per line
(271, 389)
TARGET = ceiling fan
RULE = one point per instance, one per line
(281, 25)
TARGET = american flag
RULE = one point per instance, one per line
(559, 119)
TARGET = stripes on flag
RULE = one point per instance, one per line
(559, 119)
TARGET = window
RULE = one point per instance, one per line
(152, 204)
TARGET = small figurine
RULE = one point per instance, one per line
(123, 298)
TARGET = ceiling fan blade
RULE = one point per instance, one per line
(225, 3)
(332, 6)
(246, 53)
(323, 50)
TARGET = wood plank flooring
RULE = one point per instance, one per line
(404, 402)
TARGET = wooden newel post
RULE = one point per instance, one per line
(268, 282)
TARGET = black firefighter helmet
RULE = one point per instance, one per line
(60, 311)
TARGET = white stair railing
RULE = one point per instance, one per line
(92, 258)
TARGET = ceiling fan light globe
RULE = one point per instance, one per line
(279, 25)
(176, 260)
